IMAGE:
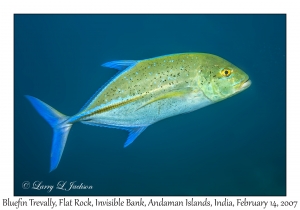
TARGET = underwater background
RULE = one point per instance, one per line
(235, 147)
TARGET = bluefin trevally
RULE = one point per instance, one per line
(146, 91)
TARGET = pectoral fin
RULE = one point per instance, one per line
(172, 94)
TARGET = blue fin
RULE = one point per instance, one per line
(60, 126)
(134, 132)
(120, 65)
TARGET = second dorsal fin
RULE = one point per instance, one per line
(120, 65)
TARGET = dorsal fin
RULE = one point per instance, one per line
(120, 65)
(98, 91)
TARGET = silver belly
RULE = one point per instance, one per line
(136, 114)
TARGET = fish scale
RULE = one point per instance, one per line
(150, 76)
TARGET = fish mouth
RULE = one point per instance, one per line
(244, 85)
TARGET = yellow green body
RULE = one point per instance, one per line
(153, 89)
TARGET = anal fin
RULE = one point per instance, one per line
(134, 132)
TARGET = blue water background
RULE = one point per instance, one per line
(235, 147)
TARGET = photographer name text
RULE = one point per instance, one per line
(61, 185)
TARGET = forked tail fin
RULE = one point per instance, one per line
(60, 126)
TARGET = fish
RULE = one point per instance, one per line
(144, 92)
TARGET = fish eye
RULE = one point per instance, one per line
(226, 72)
